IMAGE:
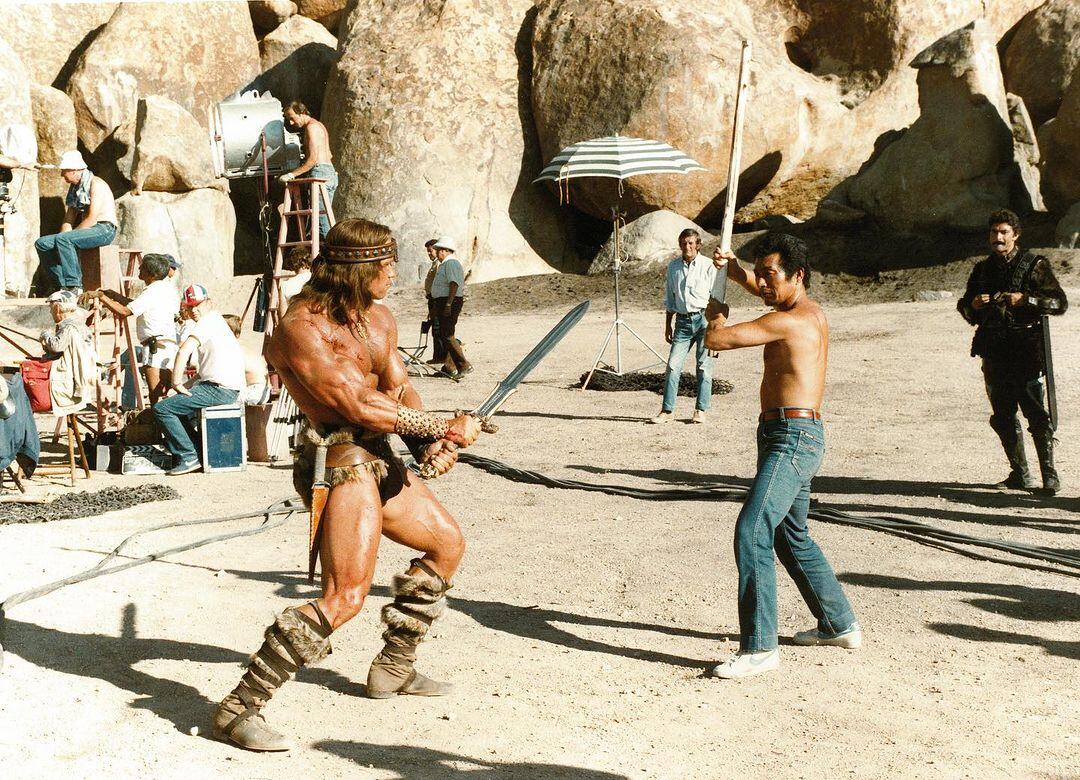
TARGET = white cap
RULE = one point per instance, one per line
(72, 161)
(446, 243)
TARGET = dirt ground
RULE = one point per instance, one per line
(581, 623)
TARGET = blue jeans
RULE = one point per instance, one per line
(59, 252)
(689, 332)
(325, 171)
(174, 414)
(774, 519)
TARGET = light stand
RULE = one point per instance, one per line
(618, 325)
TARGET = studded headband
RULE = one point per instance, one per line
(358, 254)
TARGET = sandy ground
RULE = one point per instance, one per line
(582, 623)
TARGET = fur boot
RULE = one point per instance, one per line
(292, 641)
(418, 600)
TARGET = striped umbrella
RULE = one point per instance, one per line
(616, 157)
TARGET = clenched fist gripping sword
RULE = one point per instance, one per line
(508, 386)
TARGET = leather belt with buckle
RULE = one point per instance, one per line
(789, 413)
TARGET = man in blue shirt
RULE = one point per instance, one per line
(689, 281)
(448, 296)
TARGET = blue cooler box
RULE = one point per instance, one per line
(224, 440)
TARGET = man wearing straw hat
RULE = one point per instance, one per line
(448, 295)
(89, 221)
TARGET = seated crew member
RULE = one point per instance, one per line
(256, 375)
(318, 163)
(155, 329)
(70, 345)
(219, 378)
(89, 221)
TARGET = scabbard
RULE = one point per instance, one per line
(1048, 366)
(320, 491)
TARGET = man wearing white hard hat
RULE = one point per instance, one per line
(448, 294)
(89, 221)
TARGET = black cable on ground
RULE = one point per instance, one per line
(1064, 562)
(275, 515)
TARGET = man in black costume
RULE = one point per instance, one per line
(1006, 296)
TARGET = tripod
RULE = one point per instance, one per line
(618, 325)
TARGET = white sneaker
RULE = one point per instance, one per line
(663, 417)
(746, 665)
(699, 416)
(849, 639)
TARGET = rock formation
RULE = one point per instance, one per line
(1042, 55)
(1067, 234)
(296, 62)
(21, 223)
(647, 243)
(171, 152)
(201, 53)
(50, 36)
(959, 160)
(1059, 140)
(268, 14)
(326, 12)
(54, 125)
(195, 227)
(436, 138)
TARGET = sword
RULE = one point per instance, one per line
(508, 386)
(1048, 360)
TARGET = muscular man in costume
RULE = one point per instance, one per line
(791, 445)
(1006, 296)
(336, 352)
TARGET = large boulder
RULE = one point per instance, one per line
(195, 227)
(54, 125)
(646, 244)
(49, 37)
(193, 53)
(1067, 235)
(1042, 55)
(328, 12)
(437, 138)
(296, 62)
(828, 79)
(21, 222)
(171, 150)
(268, 14)
(1059, 140)
(959, 160)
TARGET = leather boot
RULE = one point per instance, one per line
(418, 600)
(1012, 441)
(292, 641)
(1044, 446)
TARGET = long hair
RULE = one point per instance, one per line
(342, 291)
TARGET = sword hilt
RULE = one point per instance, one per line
(427, 471)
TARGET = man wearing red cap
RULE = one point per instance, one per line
(219, 379)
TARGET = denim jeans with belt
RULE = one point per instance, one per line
(325, 171)
(174, 413)
(689, 332)
(59, 252)
(773, 518)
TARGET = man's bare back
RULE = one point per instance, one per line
(795, 336)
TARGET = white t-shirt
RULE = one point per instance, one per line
(293, 285)
(449, 270)
(156, 308)
(221, 360)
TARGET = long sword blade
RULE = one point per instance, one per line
(531, 361)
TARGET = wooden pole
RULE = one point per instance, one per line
(720, 285)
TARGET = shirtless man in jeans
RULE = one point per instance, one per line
(318, 163)
(791, 445)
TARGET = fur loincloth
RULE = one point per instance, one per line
(388, 470)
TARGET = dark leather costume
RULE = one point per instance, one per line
(1009, 340)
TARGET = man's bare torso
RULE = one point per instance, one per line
(315, 357)
(317, 142)
(795, 365)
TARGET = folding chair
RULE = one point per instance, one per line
(413, 357)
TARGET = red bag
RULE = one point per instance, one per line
(35, 376)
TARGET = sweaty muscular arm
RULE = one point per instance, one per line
(764, 330)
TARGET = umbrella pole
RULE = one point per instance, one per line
(618, 325)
